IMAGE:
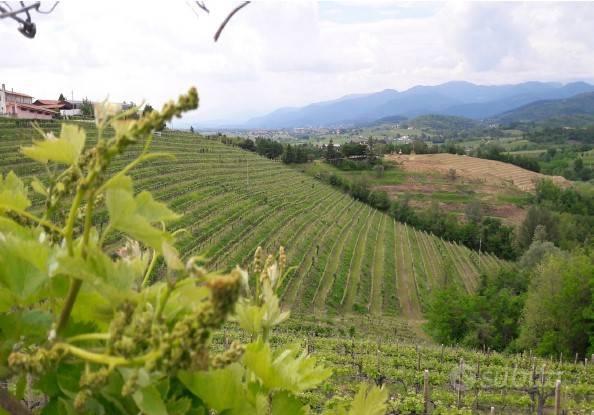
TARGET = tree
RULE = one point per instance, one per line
(536, 216)
(557, 314)
(288, 156)
(448, 315)
(62, 98)
(379, 200)
(86, 108)
(147, 109)
(331, 153)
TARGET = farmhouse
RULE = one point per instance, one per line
(19, 105)
(67, 108)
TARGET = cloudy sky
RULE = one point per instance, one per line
(289, 53)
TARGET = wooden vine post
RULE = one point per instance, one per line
(558, 397)
(460, 380)
(426, 393)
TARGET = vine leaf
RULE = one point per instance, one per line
(112, 278)
(369, 400)
(13, 193)
(66, 149)
(287, 370)
(23, 269)
(149, 401)
(285, 404)
(135, 215)
(219, 389)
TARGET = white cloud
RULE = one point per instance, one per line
(287, 53)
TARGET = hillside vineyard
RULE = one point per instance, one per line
(347, 257)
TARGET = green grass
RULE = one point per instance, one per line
(520, 199)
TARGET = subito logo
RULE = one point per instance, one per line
(462, 377)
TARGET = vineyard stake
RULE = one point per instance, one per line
(558, 397)
(460, 382)
(492, 410)
(426, 396)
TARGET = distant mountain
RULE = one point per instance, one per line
(570, 111)
(458, 98)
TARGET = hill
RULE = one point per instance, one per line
(462, 99)
(569, 111)
(348, 258)
(482, 170)
(443, 122)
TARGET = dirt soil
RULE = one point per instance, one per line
(471, 168)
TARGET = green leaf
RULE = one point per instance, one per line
(149, 401)
(249, 317)
(152, 210)
(220, 389)
(285, 404)
(369, 400)
(180, 406)
(29, 325)
(13, 193)
(24, 268)
(38, 187)
(107, 276)
(8, 226)
(125, 215)
(65, 150)
(68, 378)
(287, 370)
(183, 299)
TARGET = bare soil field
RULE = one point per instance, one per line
(487, 171)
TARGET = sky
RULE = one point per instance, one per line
(277, 53)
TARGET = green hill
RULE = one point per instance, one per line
(348, 258)
(577, 110)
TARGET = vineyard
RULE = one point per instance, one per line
(460, 381)
(489, 171)
(346, 257)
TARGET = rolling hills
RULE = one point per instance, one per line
(348, 257)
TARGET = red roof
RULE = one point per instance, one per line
(48, 102)
(53, 104)
(18, 93)
(37, 108)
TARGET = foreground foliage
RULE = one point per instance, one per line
(82, 329)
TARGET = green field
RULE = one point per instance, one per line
(233, 201)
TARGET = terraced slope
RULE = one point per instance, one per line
(489, 171)
(347, 257)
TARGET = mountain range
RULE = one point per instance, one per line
(457, 98)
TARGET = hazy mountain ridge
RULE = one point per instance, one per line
(458, 98)
(577, 108)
